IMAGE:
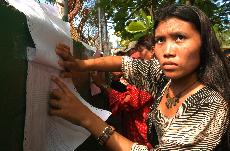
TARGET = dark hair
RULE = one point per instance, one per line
(121, 53)
(143, 42)
(214, 69)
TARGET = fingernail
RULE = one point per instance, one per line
(60, 62)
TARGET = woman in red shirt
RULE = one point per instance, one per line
(126, 100)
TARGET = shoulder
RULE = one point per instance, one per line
(128, 60)
(205, 100)
(212, 97)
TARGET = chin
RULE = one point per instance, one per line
(172, 75)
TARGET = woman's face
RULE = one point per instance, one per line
(143, 54)
(177, 47)
(146, 54)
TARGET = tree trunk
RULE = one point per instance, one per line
(151, 10)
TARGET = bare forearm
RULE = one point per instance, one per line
(116, 142)
(65, 104)
(109, 63)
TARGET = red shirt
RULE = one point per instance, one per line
(134, 112)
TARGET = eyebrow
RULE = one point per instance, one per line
(172, 34)
(178, 33)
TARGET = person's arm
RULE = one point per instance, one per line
(110, 63)
(131, 100)
(145, 75)
(65, 105)
(100, 81)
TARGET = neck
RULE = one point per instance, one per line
(177, 85)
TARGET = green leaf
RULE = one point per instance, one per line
(137, 36)
(149, 21)
(136, 26)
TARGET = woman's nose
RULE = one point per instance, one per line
(169, 50)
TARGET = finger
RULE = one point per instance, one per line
(64, 55)
(70, 65)
(60, 84)
(93, 74)
(63, 51)
(63, 47)
(55, 104)
(55, 112)
(56, 94)
(61, 63)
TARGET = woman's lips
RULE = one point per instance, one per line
(169, 65)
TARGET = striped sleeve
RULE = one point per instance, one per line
(145, 75)
(136, 147)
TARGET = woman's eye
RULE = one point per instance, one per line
(180, 37)
(159, 40)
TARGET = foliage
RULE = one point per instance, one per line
(122, 12)
(138, 28)
(83, 25)
(131, 18)
(223, 36)
(125, 14)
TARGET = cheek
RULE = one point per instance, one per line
(159, 55)
(192, 61)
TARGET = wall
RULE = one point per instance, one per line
(13, 71)
(15, 37)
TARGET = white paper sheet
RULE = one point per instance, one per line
(47, 30)
(42, 132)
(45, 133)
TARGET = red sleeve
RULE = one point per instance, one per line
(138, 98)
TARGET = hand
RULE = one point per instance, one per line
(64, 52)
(65, 105)
(98, 78)
(72, 66)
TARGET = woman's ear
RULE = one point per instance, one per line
(153, 48)
(153, 52)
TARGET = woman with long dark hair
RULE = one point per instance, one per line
(189, 80)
